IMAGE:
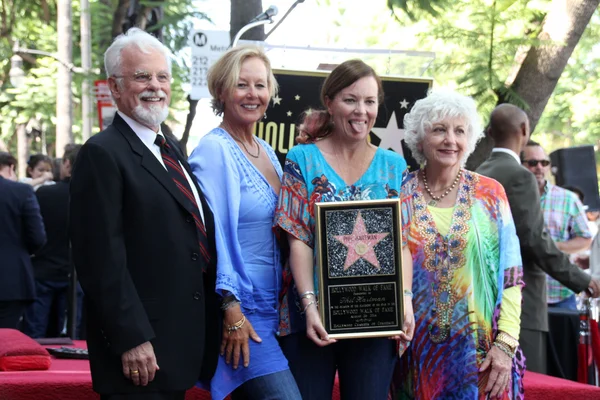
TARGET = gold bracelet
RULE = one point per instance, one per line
(507, 344)
(237, 325)
(508, 340)
(503, 348)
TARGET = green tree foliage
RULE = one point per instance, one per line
(478, 45)
(481, 47)
(21, 22)
(416, 9)
(572, 116)
(35, 102)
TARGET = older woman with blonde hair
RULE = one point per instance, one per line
(240, 177)
(466, 261)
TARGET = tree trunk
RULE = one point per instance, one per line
(242, 11)
(45, 12)
(87, 111)
(119, 17)
(141, 20)
(544, 64)
(188, 125)
(104, 41)
(148, 17)
(64, 112)
(22, 150)
(481, 153)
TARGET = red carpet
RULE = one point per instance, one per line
(71, 380)
(543, 387)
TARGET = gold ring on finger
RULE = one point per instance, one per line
(135, 371)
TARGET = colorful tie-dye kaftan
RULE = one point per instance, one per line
(458, 284)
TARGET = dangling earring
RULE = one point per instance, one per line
(265, 116)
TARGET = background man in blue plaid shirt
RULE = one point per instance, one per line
(565, 220)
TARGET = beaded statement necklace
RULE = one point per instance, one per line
(444, 256)
(436, 199)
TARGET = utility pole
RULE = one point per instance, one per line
(64, 104)
(86, 65)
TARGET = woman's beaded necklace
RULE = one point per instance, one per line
(436, 199)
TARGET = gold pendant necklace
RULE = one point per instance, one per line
(245, 148)
(242, 143)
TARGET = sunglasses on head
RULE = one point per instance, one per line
(534, 163)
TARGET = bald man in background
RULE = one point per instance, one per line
(509, 127)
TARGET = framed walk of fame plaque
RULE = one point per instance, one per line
(359, 250)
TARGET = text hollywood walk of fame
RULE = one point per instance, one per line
(299, 93)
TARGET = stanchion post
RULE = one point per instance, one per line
(72, 314)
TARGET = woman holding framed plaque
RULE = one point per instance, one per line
(240, 177)
(467, 261)
(333, 163)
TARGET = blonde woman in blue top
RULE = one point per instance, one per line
(240, 177)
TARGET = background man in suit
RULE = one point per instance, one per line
(143, 240)
(21, 233)
(564, 218)
(52, 263)
(509, 127)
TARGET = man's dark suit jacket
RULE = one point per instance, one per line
(21, 234)
(53, 261)
(135, 249)
(540, 254)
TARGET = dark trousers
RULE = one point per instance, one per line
(534, 346)
(11, 312)
(365, 367)
(180, 395)
(51, 300)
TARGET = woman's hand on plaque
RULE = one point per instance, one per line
(408, 327)
(314, 327)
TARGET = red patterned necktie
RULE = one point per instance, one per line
(171, 162)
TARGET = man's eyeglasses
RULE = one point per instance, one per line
(534, 163)
(145, 77)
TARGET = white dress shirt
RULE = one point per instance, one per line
(507, 151)
(148, 136)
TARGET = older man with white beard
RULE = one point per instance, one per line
(142, 237)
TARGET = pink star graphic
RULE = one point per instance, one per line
(360, 244)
